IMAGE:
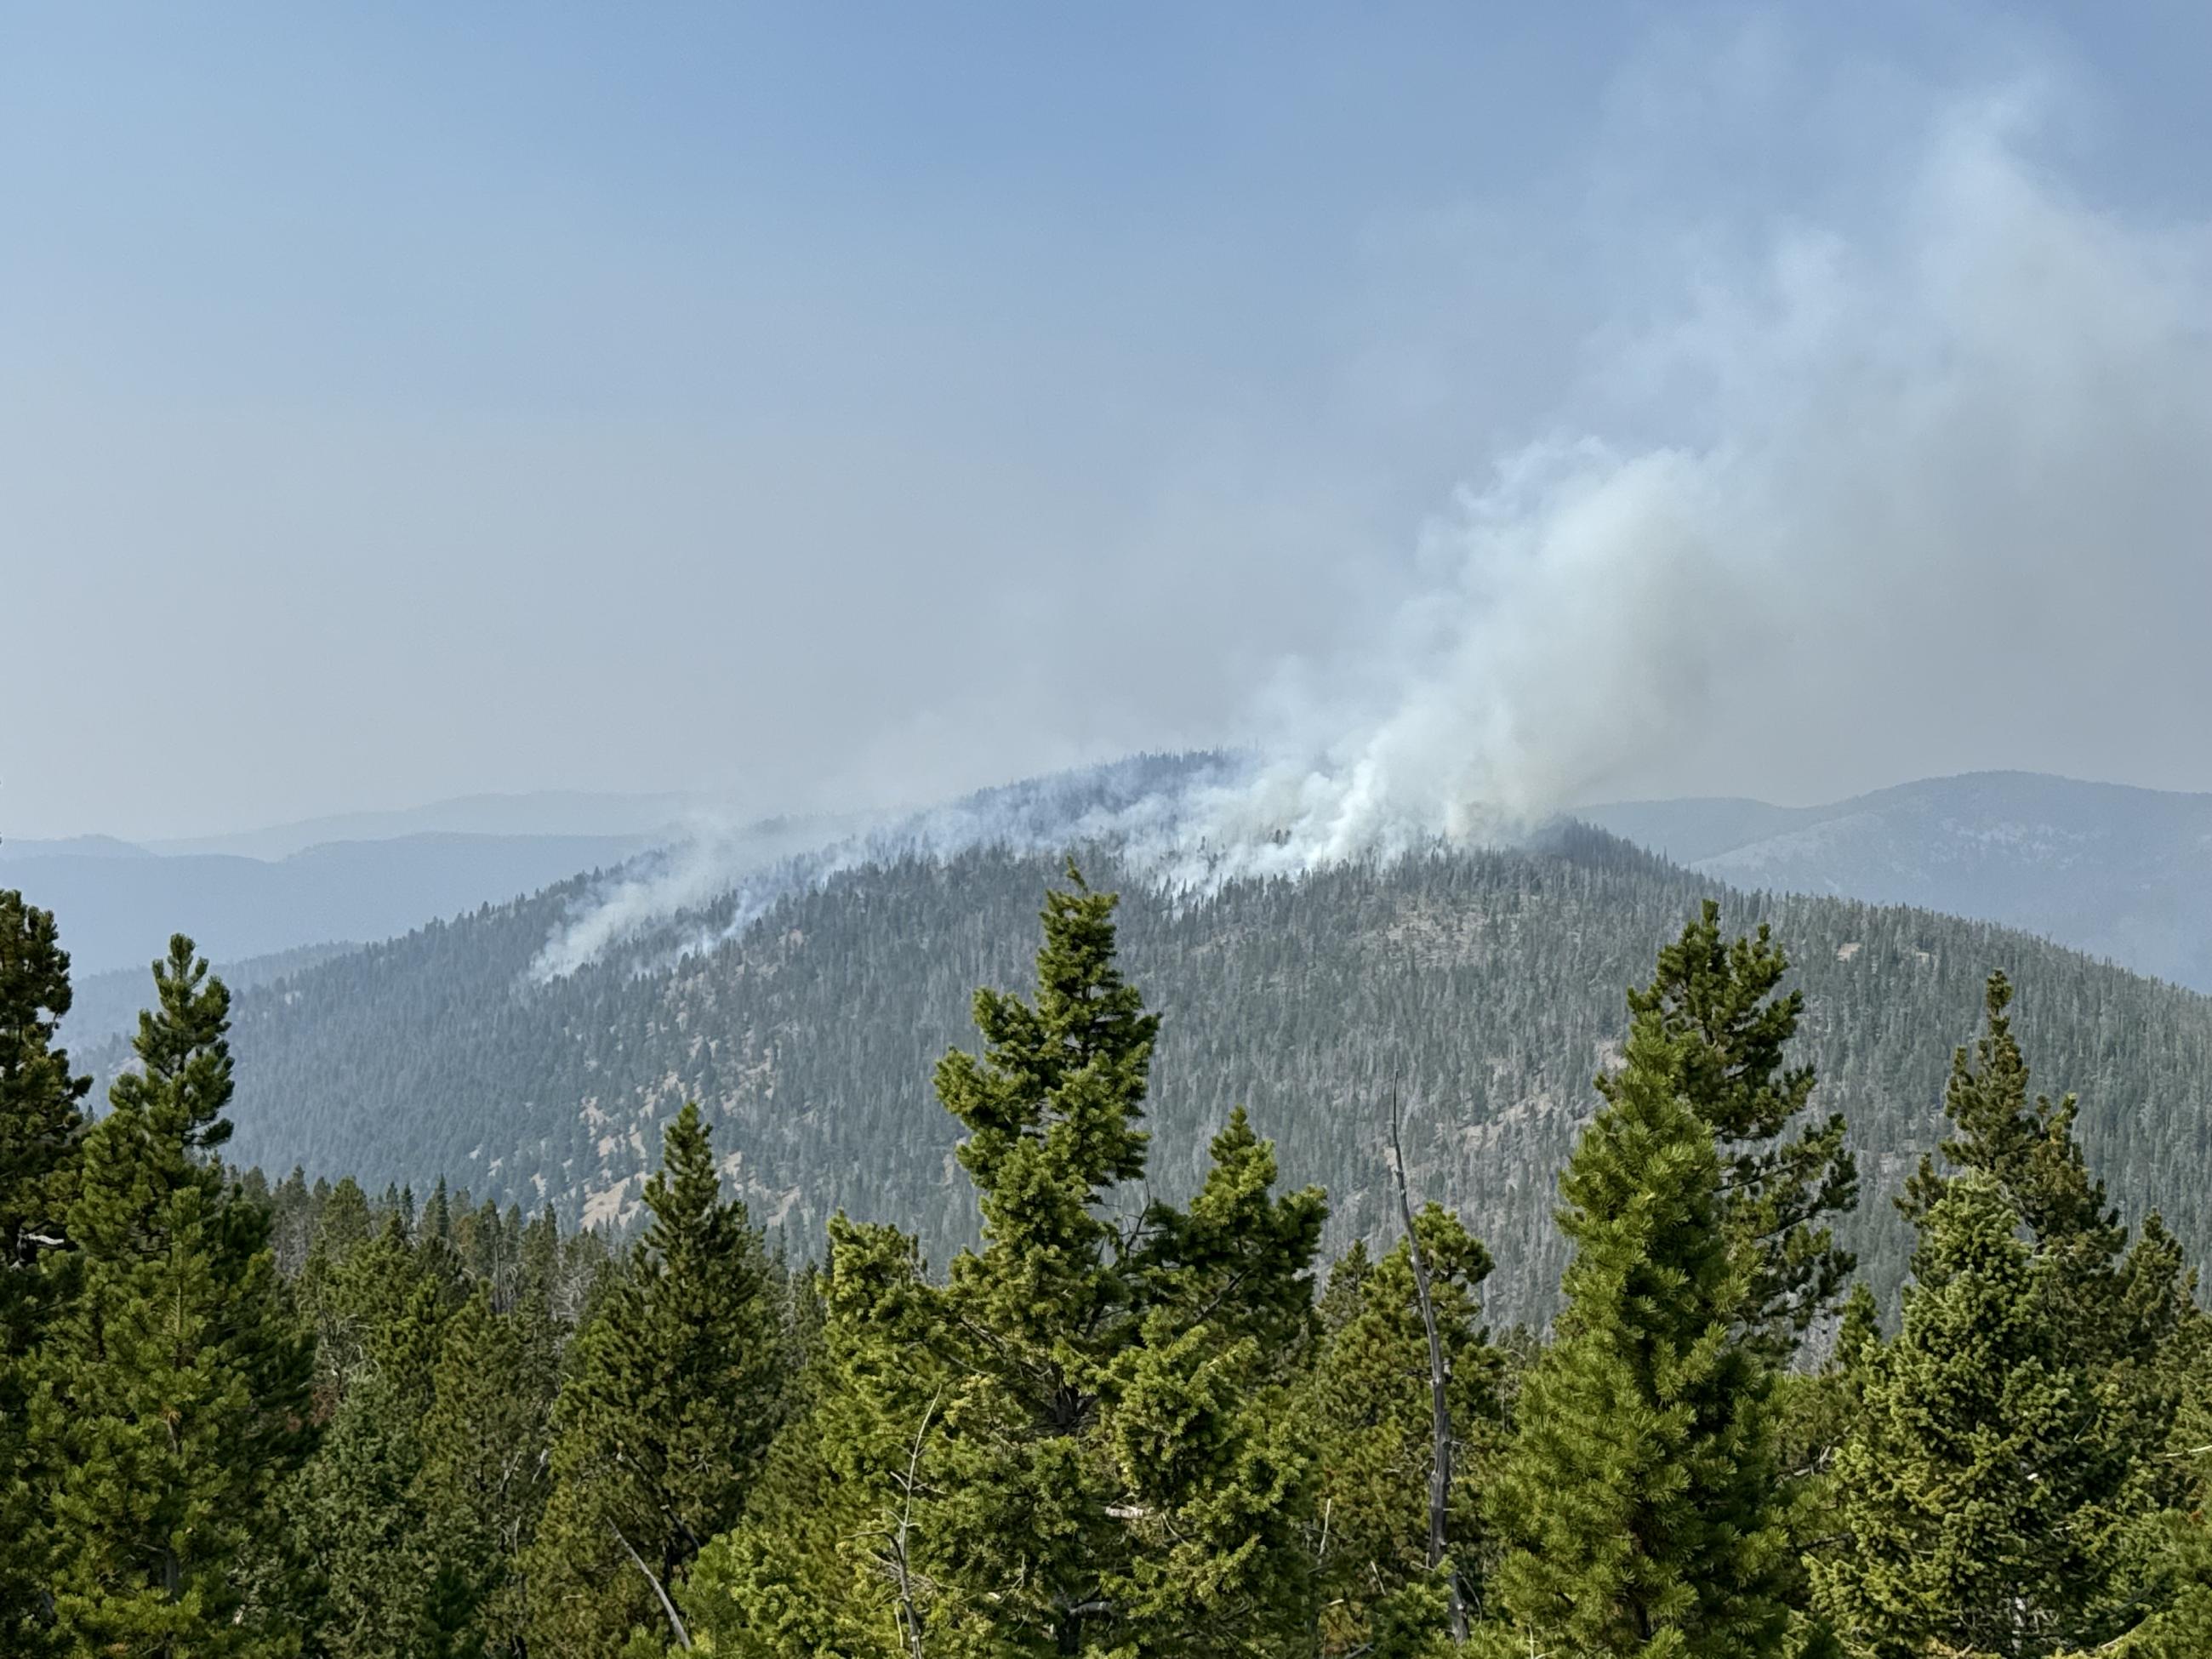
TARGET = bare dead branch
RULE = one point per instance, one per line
(674, 1623)
(1439, 1377)
(901, 1570)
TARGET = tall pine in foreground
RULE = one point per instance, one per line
(673, 1393)
(1122, 1472)
(2005, 1481)
(2117, 1307)
(1973, 1518)
(170, 1397)
(40, 1128)
(1085, 1441)
(1639, 1499)
(1784, 1172)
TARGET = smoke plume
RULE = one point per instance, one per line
(1929, 490)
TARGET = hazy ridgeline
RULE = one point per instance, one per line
(1484, 987)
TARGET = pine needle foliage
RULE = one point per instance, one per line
(1639, 1499)
(171, 1400)
(666, 1413)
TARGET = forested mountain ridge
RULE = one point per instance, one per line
(106, 1005)
(2116, 872)
(1486, 988)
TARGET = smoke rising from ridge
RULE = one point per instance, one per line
(1942, 476)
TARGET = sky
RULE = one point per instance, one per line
(832, 406)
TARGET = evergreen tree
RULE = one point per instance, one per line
(1638, 1499)
(1369, 1396)
(1719, 1001)
(662, 1424)
(481, 1485)
(1111, 1483)
(2181, 1627)
(171, 1398)
(1085, 1441)
(1974, 1523)
(829, 1560)
(1216, 1462)
(40, 1121)
(360, 1560)
(40, 1128)
(2112, 1309)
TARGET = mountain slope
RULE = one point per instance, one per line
(2118, 872)
(106, 1005)
(1487, 988)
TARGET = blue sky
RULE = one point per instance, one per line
(824, 405)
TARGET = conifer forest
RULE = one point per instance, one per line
(257, 1417)
(978, 830)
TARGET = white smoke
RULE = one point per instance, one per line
(1914, 472)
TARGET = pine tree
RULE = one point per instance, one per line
(1638, 1500)
(361, 1563)
(1085, 1441)
(2112, 1309)
(481, 1486)
(1719, 1001)
(40, 1124)
(829, 1560)
(1974, 1523)
(1369, 1396)
(40, 1121)
(660, 1428)
(2181, 1626)
(1099, 1420)
(171, 1398)
(1215, 1462)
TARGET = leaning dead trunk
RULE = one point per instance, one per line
(1439, 1378)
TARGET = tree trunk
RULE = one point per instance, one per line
(1439, 1377)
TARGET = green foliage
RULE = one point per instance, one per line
(1084, 1441)
(481, 1483)
(1487, 981)
(40, 1128)
(2006, 1473)
(170, 1399)
(1639, 1499)
(1121, 1427)
(2182, 1627)
(1370, 1403)
(666, 1416)
(356, 1519)
(1976, 1524)
(40, 1121)
(1733, 1035)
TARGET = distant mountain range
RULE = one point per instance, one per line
(118, 903)
(535, 814)
(2118, 872)
(263, 893)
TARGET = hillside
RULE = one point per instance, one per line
(106, 1005)
(2118, 872)
(1488, 986)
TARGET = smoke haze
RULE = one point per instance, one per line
(1949, 487)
